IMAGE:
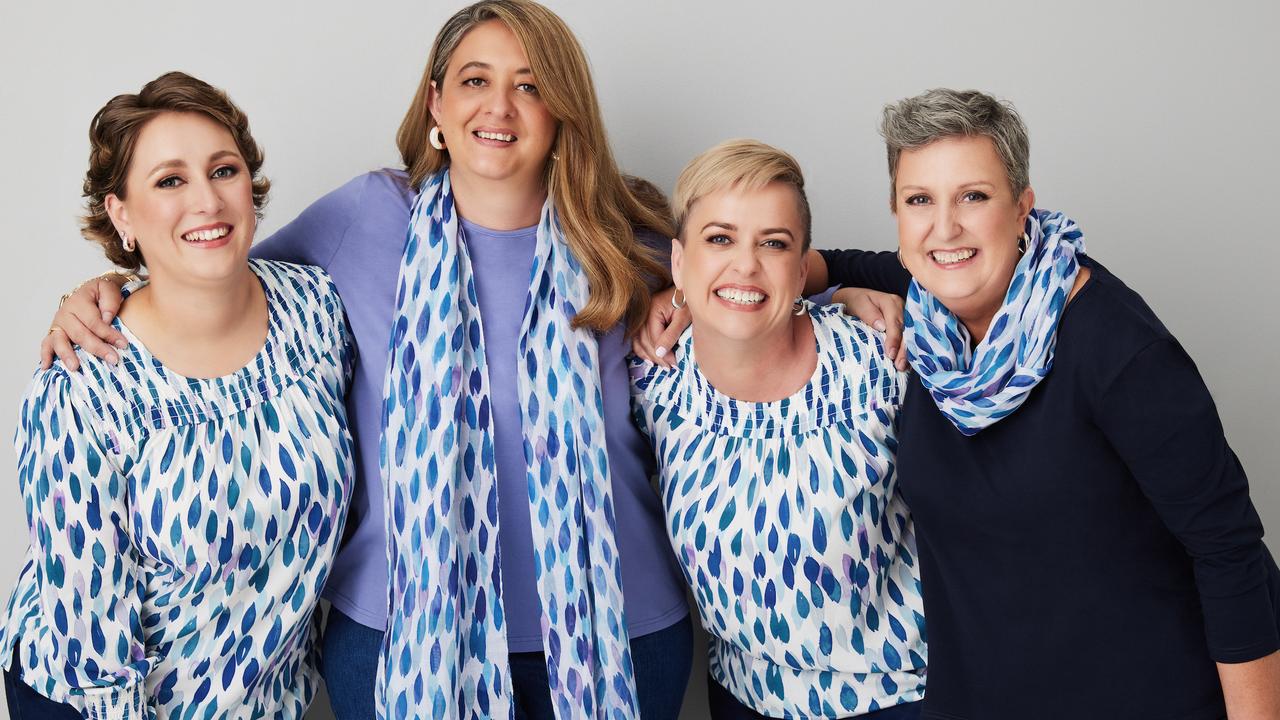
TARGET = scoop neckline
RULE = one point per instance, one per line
(821, 345)
(260, 358)
(470, 227)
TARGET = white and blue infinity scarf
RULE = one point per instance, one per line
(976, 389)
(445, 651)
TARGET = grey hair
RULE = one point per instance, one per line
(942, 113)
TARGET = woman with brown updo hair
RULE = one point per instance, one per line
(529, 571)
(186, 499)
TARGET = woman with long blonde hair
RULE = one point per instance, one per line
(528, 571)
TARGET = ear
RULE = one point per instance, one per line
(1026, 201)
(119, 214)
(433, 101)
(677, 263)
(804, 271)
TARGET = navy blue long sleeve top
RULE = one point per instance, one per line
(1094, 553)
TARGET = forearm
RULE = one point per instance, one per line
(1252, 689)
(866, 269)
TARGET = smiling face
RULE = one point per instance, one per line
(959, 224)
(494, 123)
(740, 261)
(188, 199)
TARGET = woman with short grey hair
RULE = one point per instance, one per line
(1088, 546)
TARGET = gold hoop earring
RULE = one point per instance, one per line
(680, 305)
(434, 137)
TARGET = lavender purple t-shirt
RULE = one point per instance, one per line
(357, 234)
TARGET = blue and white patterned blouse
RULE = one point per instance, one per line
(182, 529)
(786, 520)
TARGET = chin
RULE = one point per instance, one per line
(741, 330)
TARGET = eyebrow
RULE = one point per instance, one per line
(972, 183)
(734, 228)
(486, 66)
(170, 164)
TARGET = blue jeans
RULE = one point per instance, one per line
(724, 706)
(27, 704)
(661, 659)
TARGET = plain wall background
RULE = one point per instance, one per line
(1153, 125)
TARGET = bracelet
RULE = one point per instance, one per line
(128, 277)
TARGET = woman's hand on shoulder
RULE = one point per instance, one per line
(84, 319)
(882, 311)
(658, 336)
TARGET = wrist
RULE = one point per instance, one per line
(119, 278)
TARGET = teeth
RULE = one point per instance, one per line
(740, 297)
(206, 235)
(496, 136)
(946, 257)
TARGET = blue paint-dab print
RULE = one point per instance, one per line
(975, 388)
(446, 652)
(177, 470)
(820, 573)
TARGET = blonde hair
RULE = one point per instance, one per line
(598, 212)
(743, 164)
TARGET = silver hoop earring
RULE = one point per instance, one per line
(678, 305)
(1023, 243)
(127, 244)
(799, 307)
(899, 254)
(434, 137)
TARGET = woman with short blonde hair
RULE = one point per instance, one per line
(776, 436)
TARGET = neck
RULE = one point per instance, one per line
(195, 314)
(762, 369)
(977, 324)
(498, 204)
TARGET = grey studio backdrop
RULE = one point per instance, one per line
(1152, 124)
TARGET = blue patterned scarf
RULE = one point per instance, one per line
(445, 652)
(975, 389)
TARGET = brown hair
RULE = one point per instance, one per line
(114, 133)
(598, 212)
(742, 164)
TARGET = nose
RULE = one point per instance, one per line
(946, 222)
(500, 102)
(205, 198)
(746, 261)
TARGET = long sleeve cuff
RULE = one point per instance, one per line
(1245, 627)
(117, 703)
